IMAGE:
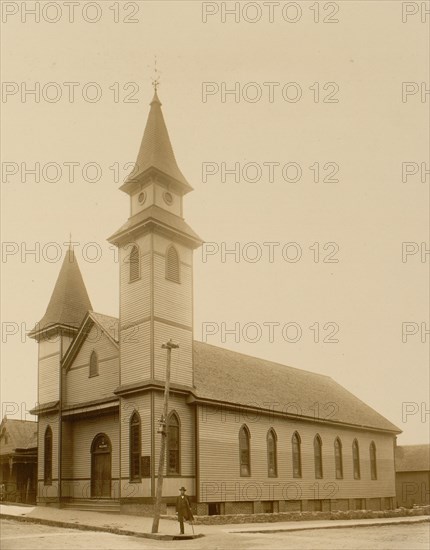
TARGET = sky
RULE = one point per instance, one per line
(303, 129)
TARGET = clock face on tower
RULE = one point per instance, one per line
(168, 198)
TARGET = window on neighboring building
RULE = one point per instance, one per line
(373, 470)
(173, 443)
(272, 466)
(297, 455)
(318, 457)
(356, 459)
(135, 447)
(47, 471)
(134, 261)
(172, 265)
(94, 364)
(244, 451)
(338, 458)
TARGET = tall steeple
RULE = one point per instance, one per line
(156, 264)
(156, 185)
(69, 302)
(156, 152)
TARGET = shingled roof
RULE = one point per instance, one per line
(69, 302)
(412, 458)
(156, 150)
(19, 434)
(227, 376)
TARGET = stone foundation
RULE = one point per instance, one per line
(307, 516)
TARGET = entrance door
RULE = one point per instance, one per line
(101, 475)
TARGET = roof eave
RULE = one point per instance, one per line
(134, 182)
(150, 223)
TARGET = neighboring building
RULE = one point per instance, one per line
(18, 460)
(412, 475)
(244, 434)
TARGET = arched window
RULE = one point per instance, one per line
(173, 444)
(356, 459)
(318, 457)
(272, 465)
(134, 261)
(47, 471)
(172, 265)
(94, 364)
(338, 463)
(297, 455)
(244, 451)
(135, 447)
(373, 470)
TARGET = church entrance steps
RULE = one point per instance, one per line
(93, 505)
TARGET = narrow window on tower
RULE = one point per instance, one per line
(172, 265)
(356, 459)
(134, 264)
(173, 444)
(373, 470)
(272, 465)
(297, 455)
(244, 451)
(94, 364)
(135, 447)
(318, 457)
(47, 463)
(338, 458)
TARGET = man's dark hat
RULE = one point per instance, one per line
(182, 489)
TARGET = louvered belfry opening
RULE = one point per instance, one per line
(172, 265)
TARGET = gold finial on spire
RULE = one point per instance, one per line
(156, 78)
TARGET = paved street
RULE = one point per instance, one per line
(23, 536)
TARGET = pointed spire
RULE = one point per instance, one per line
(156, 150)
(69, 302)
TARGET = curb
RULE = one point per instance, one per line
(316, 527)
(112, 530)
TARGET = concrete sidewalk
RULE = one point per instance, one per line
(168, 529)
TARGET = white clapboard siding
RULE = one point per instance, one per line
(135, 353)
(135, 295)
(187, 433)
(49, 378)
(181, 363)
(47, 491)
(219, 460)
(172, 301)
(142, 404)
(80, 387)
(67, 450)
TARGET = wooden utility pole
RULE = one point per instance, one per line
(163, 431)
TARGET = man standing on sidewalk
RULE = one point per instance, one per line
(183, 509)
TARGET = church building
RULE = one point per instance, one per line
(244, 435)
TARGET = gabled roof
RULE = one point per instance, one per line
(226, 376)
(154, 215)
(412, 458)
(21, 434)
(156, 150)
(107, 324)
(69, 301)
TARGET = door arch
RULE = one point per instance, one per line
(101, 467)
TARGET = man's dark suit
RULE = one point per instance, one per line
(183, 509)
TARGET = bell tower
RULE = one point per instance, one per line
(156, 263)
